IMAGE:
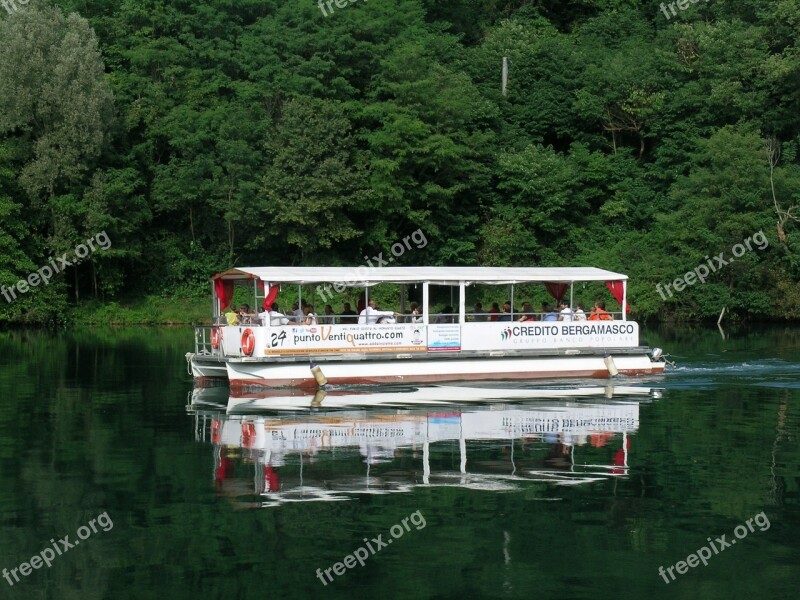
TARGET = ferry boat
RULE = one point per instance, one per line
(275, 351)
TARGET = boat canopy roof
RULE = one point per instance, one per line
(363, 275)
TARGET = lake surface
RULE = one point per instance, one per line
(576, 490)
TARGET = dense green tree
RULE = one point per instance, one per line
(58, 107)
(313, 178)
(255, 132)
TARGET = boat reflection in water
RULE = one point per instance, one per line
(335, 445)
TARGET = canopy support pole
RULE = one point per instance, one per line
(624, 300)
(571, 291)
(425, 300)
(462, 302)
(215, 303)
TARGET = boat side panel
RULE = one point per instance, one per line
(317, 340)
(433, 371)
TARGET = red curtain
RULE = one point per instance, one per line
(615, 287)
(556, 290)
(272, 479)
(270, 296)
(224, 290)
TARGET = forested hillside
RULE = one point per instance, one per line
(201, 135)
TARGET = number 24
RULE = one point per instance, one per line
(278, 338)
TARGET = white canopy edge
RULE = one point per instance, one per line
(358, 276)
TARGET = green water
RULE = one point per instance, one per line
(97, 423)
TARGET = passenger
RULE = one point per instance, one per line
(506, 316)
(579, 314)
(415, 316)
(310, 317)
(445, 316)
(526, 314)
(371, 314)
(566, 312)
(245, 316)
(231, 317)
(276, 317)
(548, 315)
(600, 313)
(477, 313)
(494, 311)
(328, 317)
(263, 317)
(297, 312)
(348, 315)
(361, 305)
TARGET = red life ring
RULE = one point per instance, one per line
(216, 337)
(248, 342)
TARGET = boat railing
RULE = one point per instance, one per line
(475, 317)
(433, 318)
(202, 339)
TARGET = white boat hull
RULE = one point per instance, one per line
(207, 368)
(245, 374)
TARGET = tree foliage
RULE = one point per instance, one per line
(206, 135)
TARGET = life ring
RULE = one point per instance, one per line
(216, 337)
(248, 342)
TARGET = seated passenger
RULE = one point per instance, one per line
(527, 313)
(276, 317)
(416, 313)
(263, 317)
(328, 317)
(599, 312)
(494, 311)
(245, 316)
(371, 314)
(309, 317)
(297, 313)
(445, 316)
(548, 315)
(506, 316)
(566, 312)
(231, 317)
(580, 315)
(477, 315)
(349, 316)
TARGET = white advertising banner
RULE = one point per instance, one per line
(546, 335)
(326, 339)
(444, 338)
